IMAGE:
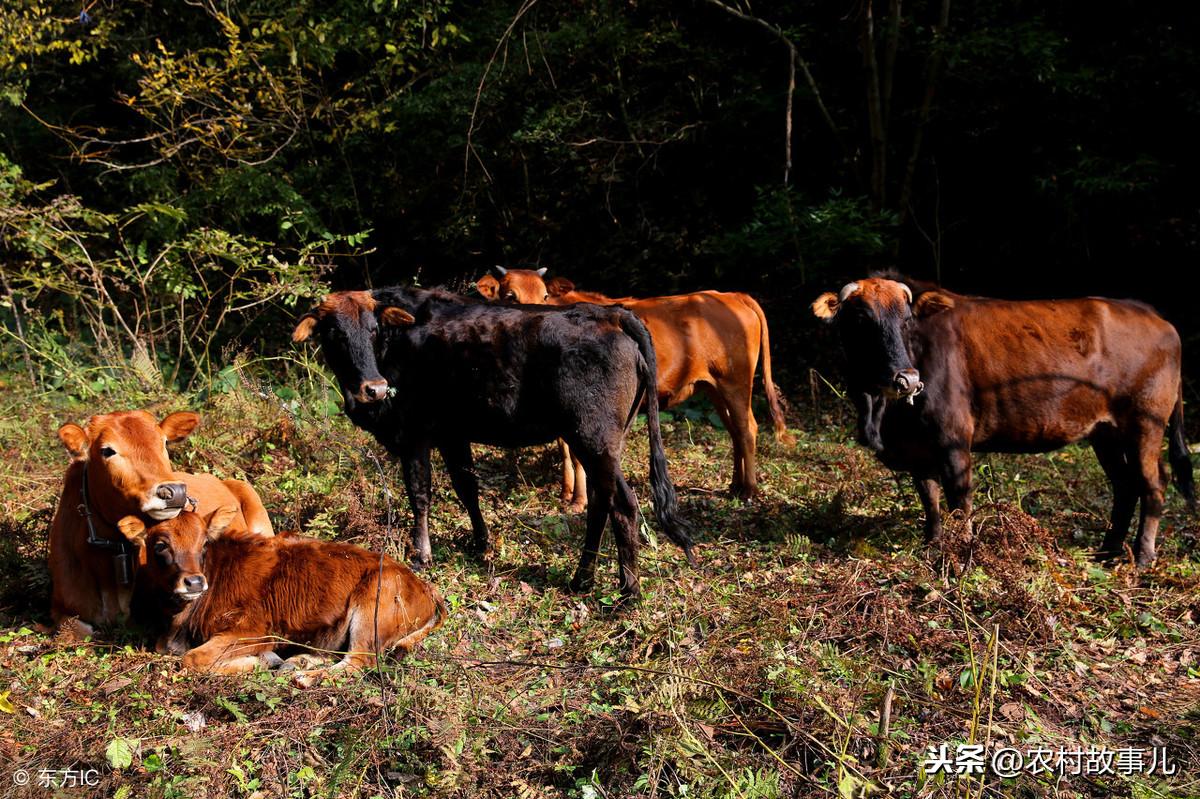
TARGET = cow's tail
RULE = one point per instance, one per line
(774, 400)
(1181, 462)
(666, 505)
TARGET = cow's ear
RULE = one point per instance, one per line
(304, 328)
(392, 315)
(558, 286)
(826, 306)
(179, 426)
(219, 522)
(132, 528)
(76, 440)
(488, 286)
(932, 302)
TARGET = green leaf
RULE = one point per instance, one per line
(119, 753)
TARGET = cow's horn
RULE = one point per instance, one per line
(542, 272)
(846, 291)
(907, 292)
(499, 270)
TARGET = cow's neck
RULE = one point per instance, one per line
(119, 548)
(870, 409)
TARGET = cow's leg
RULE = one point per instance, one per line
(1147, 460)
(624, 520)
(931, 494)
(1125, 492)
(744, 429)
(461, 466)
(733, 406)
(956, 482)
(227, 653)
(579, 497)
(568, 472)
(600, 499)
(416, 482)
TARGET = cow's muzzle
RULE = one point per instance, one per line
(166, 500)
(907, 384)
(372, 390)
(191, 586)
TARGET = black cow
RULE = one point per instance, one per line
(427, 368)
(936, 376)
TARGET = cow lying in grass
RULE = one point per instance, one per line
(707, 340)
(119, 467)
(422, 369)
(238, 597)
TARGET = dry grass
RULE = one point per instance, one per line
(761, 673)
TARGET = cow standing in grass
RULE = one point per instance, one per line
(936, 376)
(119, 466)
(707, 340)
(422, 369)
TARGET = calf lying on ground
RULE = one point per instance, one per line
(421, 369)
(119, 467)
(243, 596)
(936, 376)
(707, 340)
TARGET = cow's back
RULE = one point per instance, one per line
(509, 376)
(1036, 375)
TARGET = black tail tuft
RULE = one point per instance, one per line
(666, 504)
(1181, 461)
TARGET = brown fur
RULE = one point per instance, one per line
(1008, 376)
(85, 590)
(707, 340)
(264, 593)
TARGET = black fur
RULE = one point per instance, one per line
(510, 376)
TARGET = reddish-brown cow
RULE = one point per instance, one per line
(936, 376)
(244, 595)
(710, 340)
(120, 461)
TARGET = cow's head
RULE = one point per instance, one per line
(125, 455)
(874, 316)
(347, 324)
(175, 550)
(525, 286)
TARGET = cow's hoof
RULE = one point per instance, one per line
(270, 660)
(302, 663)
(576, 507)
(307, 679)
(420, 564)
(581, 584)
(741, 492)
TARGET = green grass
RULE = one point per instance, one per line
(761, 673)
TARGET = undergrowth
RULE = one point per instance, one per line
(761, 673)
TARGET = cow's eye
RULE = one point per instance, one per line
(161, 547)
(107, 452)
(545, 297)
(512, 295)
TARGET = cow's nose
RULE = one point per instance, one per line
(195, 584)
(173, 495)
(907, 382)
(372, 390)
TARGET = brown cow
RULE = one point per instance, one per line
(123, 457)
(710, 340)
(244, 595)
(936, 376)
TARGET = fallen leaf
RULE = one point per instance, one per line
(115, 684)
